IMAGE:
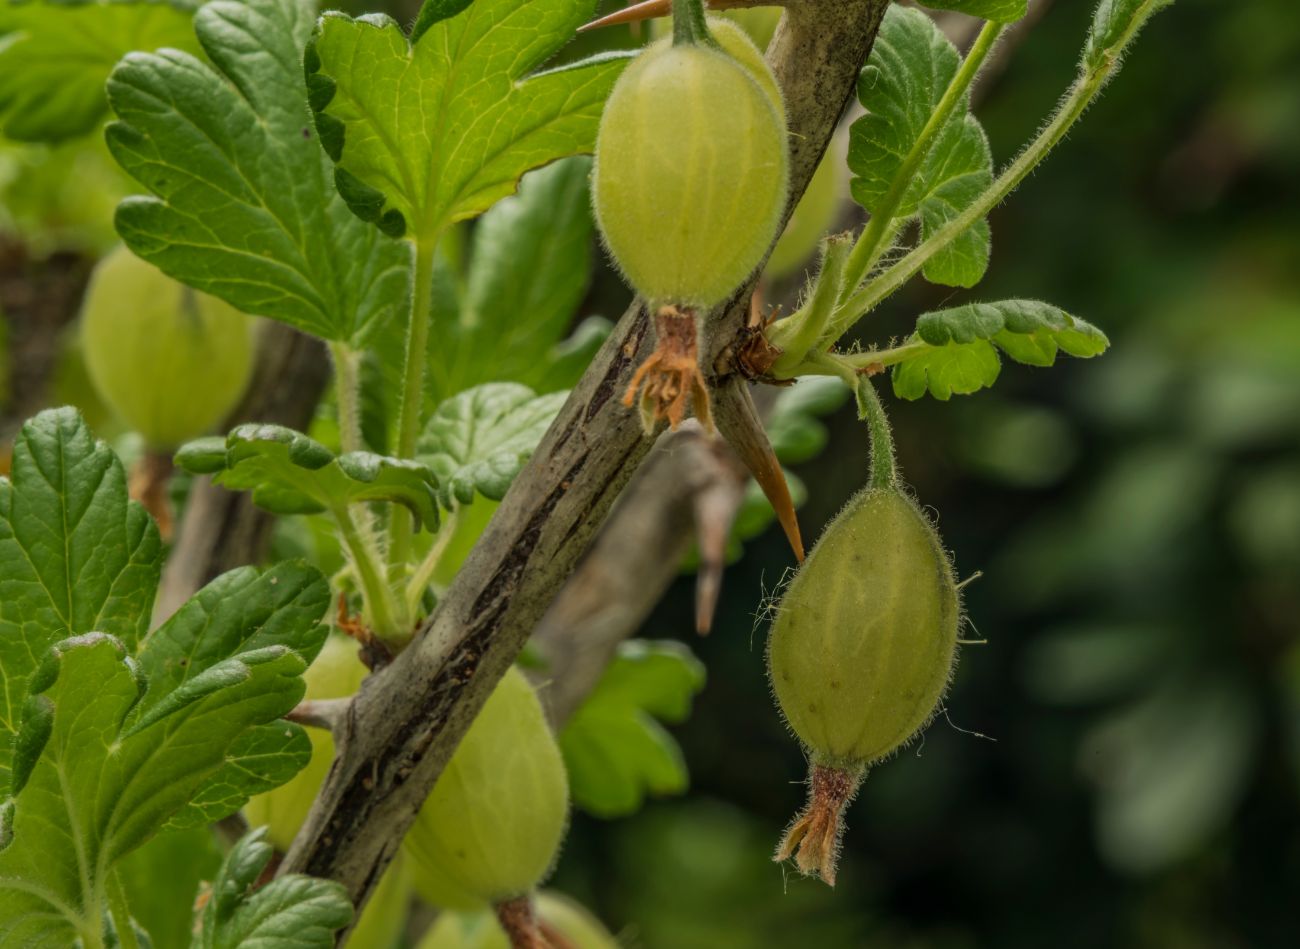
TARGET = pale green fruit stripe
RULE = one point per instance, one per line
(864, 639)
(686, 214)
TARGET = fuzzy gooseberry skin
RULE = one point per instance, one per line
(168, 360)
(482, 931)
(865, 637)
(492, 827)
(336, 673)
(691, 174)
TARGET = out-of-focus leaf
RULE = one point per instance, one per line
(56, 54)
(161, 881)
(476, 442)
(615, 749)
(1082, 665)
(289, 473)
(1003, 11)
(793, 426)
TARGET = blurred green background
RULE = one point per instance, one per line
(1119, 763)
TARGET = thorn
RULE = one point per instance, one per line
(646, 10)
(320, 713)
(737, 420)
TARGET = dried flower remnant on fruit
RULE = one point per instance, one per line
(670, 379)
(814, 837)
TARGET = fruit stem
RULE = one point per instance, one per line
(817, 829)
(874, 240)
(1092, 77)
(347, 388)
(149, 482)
(519, 921)
(800, 331)
(121, 913)
(408, 427)
(689, 25)
(884, 469)
(379, 610)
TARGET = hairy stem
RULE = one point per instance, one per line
(874, 240)
(408, 423)
(1072, 106)
(347, 389)
(689, 26)
(381, 614)
(800, 332)
(423, 575)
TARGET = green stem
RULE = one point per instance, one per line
(1072, 106)
(423, 575)
(121, 913)
(690, 28)
(874, 240)
(347, 388)
(884, 470)
(380, 612)
(408, 426)
(800, 331)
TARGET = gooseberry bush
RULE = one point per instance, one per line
(360, 717)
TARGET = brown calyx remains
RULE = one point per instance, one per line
(817, 830)
(670, 378)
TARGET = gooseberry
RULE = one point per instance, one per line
(168, 360)
(557, 915)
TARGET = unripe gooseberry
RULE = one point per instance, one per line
(691, 174)
(336, 673)
(861, 651)
(168, 360)
(558, 915)
(491, 830)
(813, 216)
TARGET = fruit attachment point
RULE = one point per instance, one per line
(523, 928)
(817, 830)
(670, 378)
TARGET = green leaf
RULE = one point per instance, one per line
(958, 355)
(244, 206)
(56, 54)
(476, 442)
(101, 766)
(289, 473)
(435, 129)
(1112, 21)
(291, 912)
(161, 881)
(530, 265)
(614, 747)
(1000, 11)
(75, 556)
(911, 66)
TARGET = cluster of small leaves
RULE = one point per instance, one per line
(110, 733)
(56, 54)
(910, 69)
(289, 473)
(957, 349)
(614, 746)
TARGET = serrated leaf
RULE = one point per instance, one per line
(1000, 11)
(435, 129)
(476, 442)
(615, 749)
(289, 473)
(958, 355)
(111, 766)
(55, 56)
(75, 556)
(291, 912)
(530, 265)
(1113, 19)
(911, 66)
(244, 204)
